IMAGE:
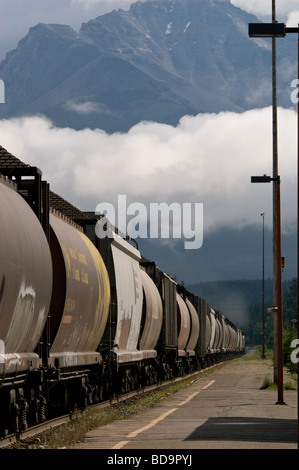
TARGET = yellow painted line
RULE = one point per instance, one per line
(188, 399)
(208, 385)
(195, 393)
(120, 445)
(152, 423)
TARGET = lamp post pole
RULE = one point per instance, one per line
(277, 307)
(277, 268)
(298, 239)
(276, 228)
(280, 30)
(263, 296)
(278, 315)
(275, 30)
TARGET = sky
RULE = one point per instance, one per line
(89, 167)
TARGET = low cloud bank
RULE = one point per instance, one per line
(208, 158)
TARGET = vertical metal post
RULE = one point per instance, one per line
(298, 240)
(275, 173)
(277, 291)
(280, 400)
(263, 298)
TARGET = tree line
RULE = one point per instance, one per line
(254, 330)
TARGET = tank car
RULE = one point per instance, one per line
(135, 316)
(180, 326)
(167, 345)
(25, 295)
(150, 328)
(192, 359)
(79, 312)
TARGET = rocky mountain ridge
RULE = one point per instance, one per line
(159, 61)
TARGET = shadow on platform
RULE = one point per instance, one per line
(246, 429)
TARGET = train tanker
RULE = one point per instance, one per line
(84, 319)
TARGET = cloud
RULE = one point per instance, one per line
(206, 159)
(258, 8)
(293, 18)
(87, 107)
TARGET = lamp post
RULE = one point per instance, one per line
(277, 283)
(263, 313)
(274, 30)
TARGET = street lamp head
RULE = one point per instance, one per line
(261, 179)
(267, 30)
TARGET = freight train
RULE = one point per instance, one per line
(84, 319)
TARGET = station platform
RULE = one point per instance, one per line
(223, 409)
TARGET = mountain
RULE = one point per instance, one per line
(241, 300)
(53, 72)
(227, 269)
(158, 61)
(227, 253)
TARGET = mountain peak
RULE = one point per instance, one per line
(43, 29)
(157, 61)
